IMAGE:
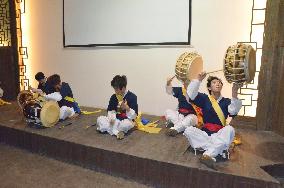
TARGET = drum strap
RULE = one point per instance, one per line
(70, 99)
(218, 110)
(197, 110)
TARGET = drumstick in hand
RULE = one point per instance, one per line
(214, 71)
(169, 81)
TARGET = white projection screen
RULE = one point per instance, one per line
(126, 22)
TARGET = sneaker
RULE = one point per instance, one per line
(208, 161)
(171, 132)
(169, 124)
(120, 135)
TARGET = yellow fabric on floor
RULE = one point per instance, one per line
(149, 127)
(2, 102)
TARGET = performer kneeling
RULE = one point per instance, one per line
(122, 110)
(185, 115)
(215, 136)
(64, 97)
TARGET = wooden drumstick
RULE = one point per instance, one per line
(173, 77)
(214, 71)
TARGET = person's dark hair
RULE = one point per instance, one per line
(54, 80)
(209, 80)
(39, 76)
(118, 82)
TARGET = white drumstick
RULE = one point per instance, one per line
(214, 71)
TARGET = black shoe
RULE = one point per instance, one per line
(169, 124)
(208, 161)
(120, 135)
(171, 132)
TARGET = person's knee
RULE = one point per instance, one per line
(230, 130)
(170, 113)
(188, 131)
(101, 120)
(191, 119)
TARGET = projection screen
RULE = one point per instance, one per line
(126, 22)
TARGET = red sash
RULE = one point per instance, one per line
(185, 111)
(122, 115)
(212, 127)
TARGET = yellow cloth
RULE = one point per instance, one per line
(119, 97)
(197, 110)
(218, 110)
(237, 140)
(88, 113)
(2, 102)
(70, 99)
(149, 128)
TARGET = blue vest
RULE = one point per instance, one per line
(182, 102)
(209, 115)
(131, 99)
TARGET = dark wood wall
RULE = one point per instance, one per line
(270, 106)
(9, 69)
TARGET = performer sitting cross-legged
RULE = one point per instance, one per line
(64, 96)
(122, 110)
(215, 136)
(43, 85)
(185, 115)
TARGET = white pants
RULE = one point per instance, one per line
(180, 122)
(214, 144)
(104, 125)
(66, 112)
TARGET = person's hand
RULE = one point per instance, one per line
(235, 88)
(112, 121)
(169, 80)
(124, 106)
(201, 76)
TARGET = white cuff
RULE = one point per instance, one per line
(131, 114)
(111, 115)
(192, 89)
(235, 106)
(36, 90)
(169, 90)
(56, 96)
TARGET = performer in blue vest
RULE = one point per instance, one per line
(122, 110)
(64, 96)
(185, 114)
(43, 85)
(215, 136)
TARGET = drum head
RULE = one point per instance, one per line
(239, 63)
(49, 114)
(24, 97)
(250, 63)
(188, 66)
(196, 67)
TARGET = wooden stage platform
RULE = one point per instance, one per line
(153, 159)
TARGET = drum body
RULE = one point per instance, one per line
(24, 97)
(37, 110)
(240, 63)
(188, 66)
(31, 111)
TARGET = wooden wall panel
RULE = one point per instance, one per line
(270, 99)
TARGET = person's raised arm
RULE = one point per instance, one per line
(192, 89)
(236, 104)
(169, 88)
